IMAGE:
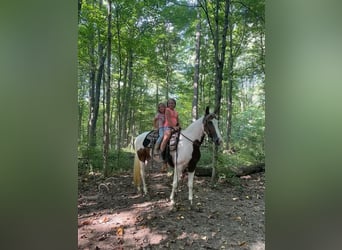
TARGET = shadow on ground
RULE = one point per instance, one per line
(112, 215)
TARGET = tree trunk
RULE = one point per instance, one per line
(79, 10)
(230, 89)
(95, 82)
(107, 95)
(92, 73)
(196, 70)
(220, 53)
(127, 98)
(118, 112)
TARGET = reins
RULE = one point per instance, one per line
(187, 138)
(202, 135)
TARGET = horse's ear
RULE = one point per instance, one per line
(207, 111)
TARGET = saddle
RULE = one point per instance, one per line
(173, 142)
(152, 137)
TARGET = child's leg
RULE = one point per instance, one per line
(160, 137)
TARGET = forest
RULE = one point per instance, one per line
(134, 54)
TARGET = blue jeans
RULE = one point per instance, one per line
(161, 134)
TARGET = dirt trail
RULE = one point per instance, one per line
(222, 217)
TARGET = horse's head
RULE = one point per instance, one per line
(210, 124)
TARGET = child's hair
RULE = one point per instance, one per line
(171, 99)
(161, 104)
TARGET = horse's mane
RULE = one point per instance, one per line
(192, 128)
(193, 124)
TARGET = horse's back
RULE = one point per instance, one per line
(139, 140)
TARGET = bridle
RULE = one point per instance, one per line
(209, 128)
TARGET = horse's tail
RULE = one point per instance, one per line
(136, 172)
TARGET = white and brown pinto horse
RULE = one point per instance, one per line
(186, 156)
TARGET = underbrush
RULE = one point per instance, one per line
(91, 161)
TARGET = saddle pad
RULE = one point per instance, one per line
(150, 139)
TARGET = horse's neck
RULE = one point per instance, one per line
(195, 130)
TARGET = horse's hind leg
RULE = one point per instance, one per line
(142, 173)
(190, 184)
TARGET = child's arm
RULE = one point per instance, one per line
(167, 116)
(178, 122)
(155, 122)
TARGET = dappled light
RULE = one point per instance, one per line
(227, 216)
(134, 56)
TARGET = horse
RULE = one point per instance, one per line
(185, 156)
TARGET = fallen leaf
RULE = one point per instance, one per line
(86, 222)
(104, 220)
(238, 218)
(180, 217)
(204, 237)
(243, 243)
(120, 231)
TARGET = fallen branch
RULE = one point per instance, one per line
(238, 171)
(246, 170)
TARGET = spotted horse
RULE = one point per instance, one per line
(185, 156)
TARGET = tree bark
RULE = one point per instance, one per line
(118, 93)
(246, 170)
(95, 81)
(230, 88)
(238, 171)
(196, 70)
(107, 95)
(220, 54)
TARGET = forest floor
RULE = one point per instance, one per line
(229, 215)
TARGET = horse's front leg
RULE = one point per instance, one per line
(176, 178)
(190, 184)
(142, 173)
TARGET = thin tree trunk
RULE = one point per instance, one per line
(197, 65)
(95, 81)
(80, 118)
(124, 108)
(118, 96)
(129, 97)
(230, 89)
(92, 73)
(220, 53)
(79, 10)
(107, 95)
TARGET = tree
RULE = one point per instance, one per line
(197, 67)
(154, 54)
(218, 30)
(107, 94)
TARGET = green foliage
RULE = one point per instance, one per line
(90, 160)
(248, 134)
(153, 58)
